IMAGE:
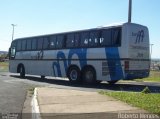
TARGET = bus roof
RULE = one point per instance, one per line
(75, 31)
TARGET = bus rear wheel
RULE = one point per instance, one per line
(74, 74)
(89, 75)
(42, 77)
(22, 71)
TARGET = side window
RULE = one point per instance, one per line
(76, 39)
(52, 44)
(70, 41)
(106, 38)
(84, 39)
(45, 43)
(116, 36)
(34, 44)
(94, 39)
(40, 43)
(23, 45)
(60, 39)
(19, 45)
(29, 44)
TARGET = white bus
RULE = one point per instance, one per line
(112, 53)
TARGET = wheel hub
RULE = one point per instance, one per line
(73, 75)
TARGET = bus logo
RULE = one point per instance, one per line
(139, 37)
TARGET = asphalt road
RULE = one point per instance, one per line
(13, 89)
(12, 95)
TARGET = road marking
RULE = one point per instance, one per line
(9, 81)
(35, 107)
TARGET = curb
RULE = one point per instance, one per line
(35, 107)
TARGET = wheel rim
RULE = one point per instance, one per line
(73, 75)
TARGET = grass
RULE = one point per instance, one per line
(149, 102)
(4, 66)
(154, 77)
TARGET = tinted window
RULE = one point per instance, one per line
(45, 43)
(40, 43)
(29, 44)
(19, 44)
(94, 39)
(70, 41)
(77, 40)
(106, 38)
(13, 52)
(116, 36)
(14, 44)
(52, 44)
(60, 39)
(34, 44)
(84, 39)
(23, 44)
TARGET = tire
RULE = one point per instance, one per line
(74, 74)
(89, 75)
(22, 71)
(42, 77)
(112, 82)
(98, 82)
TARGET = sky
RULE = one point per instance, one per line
(38, 17)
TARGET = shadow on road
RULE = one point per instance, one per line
(129, 86)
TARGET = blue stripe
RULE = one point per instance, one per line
(81, 53)
(56, 65)
(114, 66)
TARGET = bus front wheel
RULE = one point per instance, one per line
(74, 74)
(22, 71)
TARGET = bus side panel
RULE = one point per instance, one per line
(63, 59)
(60, 64)
(96, 57)
(107, 63)
(33, 64)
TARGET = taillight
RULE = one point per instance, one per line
(126, 65)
